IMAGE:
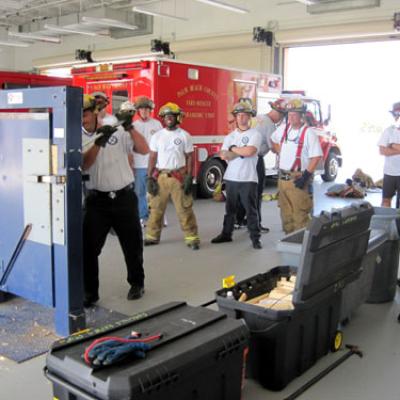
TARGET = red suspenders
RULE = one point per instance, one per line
(297, 162)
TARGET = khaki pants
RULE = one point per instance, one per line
(170, 186)
(295, 204)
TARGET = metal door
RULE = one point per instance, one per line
(40, 200)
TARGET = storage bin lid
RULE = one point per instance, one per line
(333, 247)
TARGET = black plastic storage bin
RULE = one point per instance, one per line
(285, 343)
(200, 356)
(384, 281)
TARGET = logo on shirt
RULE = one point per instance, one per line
(112, 140)
(245, 140)
(177, 141)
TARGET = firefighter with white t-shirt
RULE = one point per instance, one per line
(147, 126)
(110, 200)
(299, 152)
(170, 175)
(240, 149)
(389, 146)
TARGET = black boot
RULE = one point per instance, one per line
(222, 238)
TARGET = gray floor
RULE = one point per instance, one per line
(174, 272)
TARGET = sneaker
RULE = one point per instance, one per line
(221, 238)
(194, 245)
(257, 244)
(135, 292)
(150, 242)
(264, 229)
(89, 301)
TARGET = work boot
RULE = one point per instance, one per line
(150, 242)
(221, 238)
(194, 245)
(264, 229)
(135, 292)
(257, 244)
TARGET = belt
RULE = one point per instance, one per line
(171, 172)
(113, 194)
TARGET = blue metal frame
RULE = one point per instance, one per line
(65, 107)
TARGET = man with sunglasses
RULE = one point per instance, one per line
(389, 147)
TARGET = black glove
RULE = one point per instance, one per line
(302, 180)
(125, 117)
(107, 131)
(152, 186)
(187, 184)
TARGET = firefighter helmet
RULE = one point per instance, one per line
(100, 94)
(144, 102)
(127, 106)
(170, 108)
(244, 106)
(89, 103)
(278, 105)
(296, 105)
(396, 109)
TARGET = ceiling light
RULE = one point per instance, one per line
(31, 36)
(62, 29)
(225, 6)
(13, 44)
(109, 22)
(157, 14)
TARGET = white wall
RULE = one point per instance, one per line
(219, 37)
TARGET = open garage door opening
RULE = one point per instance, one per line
(360, 82)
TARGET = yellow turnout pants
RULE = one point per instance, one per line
(170, 186)
(295, 205)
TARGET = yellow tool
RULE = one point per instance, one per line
(228, 281)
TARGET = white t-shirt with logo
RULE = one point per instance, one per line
(311, 147)
(392, 163)
(147, 129)
(171, 148)
(242, 169)
(111, 170)
(266, 127)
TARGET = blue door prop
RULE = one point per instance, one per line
(40, 200)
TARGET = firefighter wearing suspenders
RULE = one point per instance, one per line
(299, 152)
(170, 175)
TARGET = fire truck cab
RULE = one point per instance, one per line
(205, 93)
(18, 80)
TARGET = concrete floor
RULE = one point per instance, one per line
(174, 272)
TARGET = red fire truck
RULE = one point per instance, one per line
(206, 94)
(17, 80)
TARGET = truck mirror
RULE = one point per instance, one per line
(328, 118)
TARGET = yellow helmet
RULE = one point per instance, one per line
(89, 103)
(244, 106)
(296, 105)
(170, 108)
(144, 102)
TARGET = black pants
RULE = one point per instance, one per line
(241, 213)
(246, 193)
(102, 213)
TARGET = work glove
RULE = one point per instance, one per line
(106, 131)
(302, 180)
(187, 184)
(125, 117)
(152, 186)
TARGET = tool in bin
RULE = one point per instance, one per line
(352, 350)
(110, 350)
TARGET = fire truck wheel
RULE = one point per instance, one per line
(210, 176)
(331, 167)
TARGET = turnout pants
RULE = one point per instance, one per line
(101, 213)
(246, 194)
(295, 205)
(241, 213)
(171, 187)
